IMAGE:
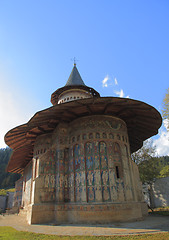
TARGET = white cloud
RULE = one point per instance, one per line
(104, 82)
(162, 142)
(119, 93)
(115, 81)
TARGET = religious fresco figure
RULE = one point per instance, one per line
(89, 155)
(78, 194)
(105, 177)
(82, 163)
(96, 156)
(77, 156)
(78, 179)
(97, 177)
(90, 178)
(83, 178)
(91, 194)
(103, 155)
(71, 180)
(98, 194)
(116, 152)
(46, 181)
(106, 193)
(83, 194)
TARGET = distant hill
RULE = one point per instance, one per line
(7, 180)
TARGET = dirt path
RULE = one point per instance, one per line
(152, 224)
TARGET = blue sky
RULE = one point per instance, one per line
(123, 44)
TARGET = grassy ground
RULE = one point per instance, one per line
(160, 211)
(4, 191)
(7, 233)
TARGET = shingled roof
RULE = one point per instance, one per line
(75, 78)
(74, 82)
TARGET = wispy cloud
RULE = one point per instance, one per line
(120, 93)
(115, 81)
(162, 142)
(108, 81)
(104, 82)
(111, 82)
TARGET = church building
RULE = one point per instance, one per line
(75, 157)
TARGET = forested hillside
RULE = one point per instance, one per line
(7, 180)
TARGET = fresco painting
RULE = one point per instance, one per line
(89, 155)
(110, 154)
(90, 178)
(98, 194)
(103, 155)
(77, 157)
(78, 179)
(96, 156)
(116, 152)
(105, 177)
(112, 177)
(71, 160)
(91, 194)
(69, 173)
(106, 193)
(97, 178)
(83, 194)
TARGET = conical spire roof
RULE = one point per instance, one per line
(75, 78)
(74, 82)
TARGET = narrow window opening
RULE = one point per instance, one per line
(117, 172)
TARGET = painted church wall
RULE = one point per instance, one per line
(85, 161)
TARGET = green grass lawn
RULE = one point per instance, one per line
(9, 233)
(161, 211)
(4, 191)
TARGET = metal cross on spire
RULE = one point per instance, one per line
(74, 60)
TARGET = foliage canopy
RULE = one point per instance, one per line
(7, 180)
(165, 111)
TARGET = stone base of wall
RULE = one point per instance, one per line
(87, 213)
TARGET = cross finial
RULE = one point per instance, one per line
(74, 60)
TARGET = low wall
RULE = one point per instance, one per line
(3, 200)
(158, 195)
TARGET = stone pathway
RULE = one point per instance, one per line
(152, 224)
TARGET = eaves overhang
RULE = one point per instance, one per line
(142, 120)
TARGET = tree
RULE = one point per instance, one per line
(149, 170)
(165, 111)
(164, 171)
(145, 153)
(7, 180)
